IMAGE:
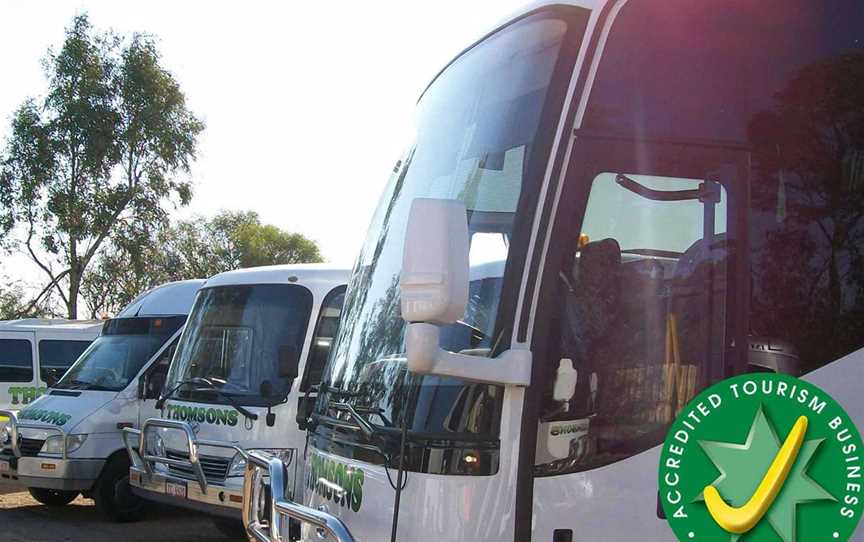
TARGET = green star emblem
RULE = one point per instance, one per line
(742, 467)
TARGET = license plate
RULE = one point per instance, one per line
(4, 466)
(175, 490)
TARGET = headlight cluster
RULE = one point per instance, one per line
(154, 444)
(238, 464)
(5, 435)
(54, 444)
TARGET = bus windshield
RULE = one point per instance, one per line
(478, 129)
(236, 338)
(118, 355)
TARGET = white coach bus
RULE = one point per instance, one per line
(244, 377)
(69, 441)
(677, 188)
(36, 352)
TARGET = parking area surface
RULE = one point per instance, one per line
(22, 519)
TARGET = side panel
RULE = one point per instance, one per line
(476, 508)
(19, 383)
(619, 501)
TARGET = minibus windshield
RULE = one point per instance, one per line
(117, 356)
(239, 338)
(478, 132)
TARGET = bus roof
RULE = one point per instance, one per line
(53, 324)
(169, 299)
(320, 278)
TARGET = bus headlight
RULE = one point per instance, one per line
(5, 434)
(54, 445)
(238, 464)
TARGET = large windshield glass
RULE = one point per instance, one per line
(245, 340)
(477, 132)
(119, 354)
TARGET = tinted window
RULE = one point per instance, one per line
(705, 70)
(325, 332)
(117, 356)
(55, 357)
(782, 78)
(239, 338)
(775, 86)
(16, 360)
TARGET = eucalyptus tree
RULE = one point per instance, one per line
(103, 155)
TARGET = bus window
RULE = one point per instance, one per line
(16, 360)
(325, 333)
(55, 357)
(807, 214)
(639, 328)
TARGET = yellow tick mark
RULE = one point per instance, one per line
(740, 520)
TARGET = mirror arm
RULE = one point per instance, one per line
(425, 356)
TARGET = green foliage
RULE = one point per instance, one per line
(14, 303)
(96, 161)
(196, 248)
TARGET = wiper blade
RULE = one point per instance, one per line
(208, 386)
(189, 381)
(233, 401)
(81, 385)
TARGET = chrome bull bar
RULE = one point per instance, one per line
(259, 465)
(141, 458)
(14, 425)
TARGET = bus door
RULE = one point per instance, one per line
(644, 308)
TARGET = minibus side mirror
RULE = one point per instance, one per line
(434, 292)
(289, 361)
(51, 376)
(153, 384)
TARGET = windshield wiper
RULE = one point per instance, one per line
(82, 385)
(208, 386)
(233, 401)
(165, 396)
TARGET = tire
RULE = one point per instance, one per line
(230, 528)
(113, 495)
(52, 497)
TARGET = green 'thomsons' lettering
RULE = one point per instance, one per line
(214, 416)
(24, 395)
(336, 481)
(45, 416)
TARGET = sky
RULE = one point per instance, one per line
(308, 105)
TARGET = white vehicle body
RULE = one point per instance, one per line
(63, 441)
(242, 325)
(35, 352)
(622, 147)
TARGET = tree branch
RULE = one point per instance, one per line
(41, 294)
(54, 280)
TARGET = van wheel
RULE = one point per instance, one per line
(230, 528)
(113, 495)
(52, 497)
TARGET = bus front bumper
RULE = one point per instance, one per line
(221, 500)
(49, 473)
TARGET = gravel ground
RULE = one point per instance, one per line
(22, 519)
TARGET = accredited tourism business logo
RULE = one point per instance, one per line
(762, 458)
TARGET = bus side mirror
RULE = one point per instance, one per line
(153, 383)
(434, 292)
(434, 279)
(289, 361)
(51, 377)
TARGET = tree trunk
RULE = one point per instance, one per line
(74, 288)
